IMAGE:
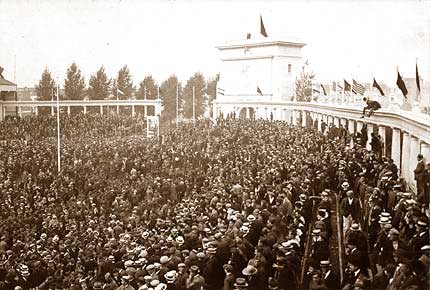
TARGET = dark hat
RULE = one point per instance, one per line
(240, 282)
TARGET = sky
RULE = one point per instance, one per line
(344, 39)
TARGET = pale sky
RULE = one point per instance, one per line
(344, 39)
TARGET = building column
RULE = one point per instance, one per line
(351, 126)
(343, 122)
(52, 110)
(415, 150)
(381, 132)
(117, 109)
(36, 110)
(133, 110)
(145, 112)
(336, 121)
(85, 109)
(359, 126)
(20, 111)
(330, 120)
(68, 110)
(294, 118)
(369, 136)
(319, 119)
(256, 113)
(395, 147)
(304, 118)
(425, 151)
(406, 151)
(101, 110)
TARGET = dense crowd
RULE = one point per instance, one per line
(225, 206)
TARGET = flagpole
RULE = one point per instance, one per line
(177, 105)
(144, 95)
(194, 105)
(58, 132)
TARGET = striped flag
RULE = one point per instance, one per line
(220, 91)
(347, 86)
(357, 88)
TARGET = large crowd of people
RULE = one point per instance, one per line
(236, 204)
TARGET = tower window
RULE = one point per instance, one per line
(289, 67)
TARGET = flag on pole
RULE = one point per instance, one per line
(1, 72)
(347, 86)
(315, 89)
(259, 91)
(417, 76)
(339, 87)
(262, 28)
(401, 84)
(324, 91)
(220, 91)
(357, 88)
(378, 87)
(119, 91)
(334, 87)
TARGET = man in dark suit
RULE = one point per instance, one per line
(382, 279)
(420, 239)
(350, 209)
(420, 174)
(331, 279)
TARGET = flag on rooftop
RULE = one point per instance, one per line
(378, 87)
(262, 28)
(347, 86)
(417, 76)
(259, 91)
(315, 89)
(357, 88)
(324, 91)
(220, 91)
(401, 84)
(1, 72)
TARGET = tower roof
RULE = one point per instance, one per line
(263, 41)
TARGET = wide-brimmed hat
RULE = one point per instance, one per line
(249, 270)
(325, 263)
(170, 276)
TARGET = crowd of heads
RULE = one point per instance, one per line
(209, 206)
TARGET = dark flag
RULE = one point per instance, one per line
(262, 28)
(1, 72)
(401, 84)
(417, 76)
(346, 86)
(248, 36)
(324, 91)
(259, 91)
(378, 87)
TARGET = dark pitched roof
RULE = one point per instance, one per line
(6, 82)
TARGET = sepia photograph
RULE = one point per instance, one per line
(214, 145)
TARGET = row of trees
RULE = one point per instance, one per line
(101, 87)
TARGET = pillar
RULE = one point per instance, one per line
(36, 110)
(406, 151)
(351, 127)
(246, 113)
(359, 126)
(381, 132)
(304, 119)
(319, 119)
(117, 109)
(395, 147)
(145, 112)
(101, 110)
(52, 110)
(85, 109)
(369, 135)
(68, 110)
(133, 110)
(415, 150)
(294, 118)
(343, 122)
(425, 151)
(20, 111)
(257, 115)
(336, 121)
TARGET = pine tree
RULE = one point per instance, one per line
(124, 84)
(304, 85)
(168, 91)
(45, 87)
(198, 82)
(74, 84)
(151, 87)
(211, 90)
(99, 85)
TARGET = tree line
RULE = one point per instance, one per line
(102, 87)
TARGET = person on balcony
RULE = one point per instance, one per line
(371, 106)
